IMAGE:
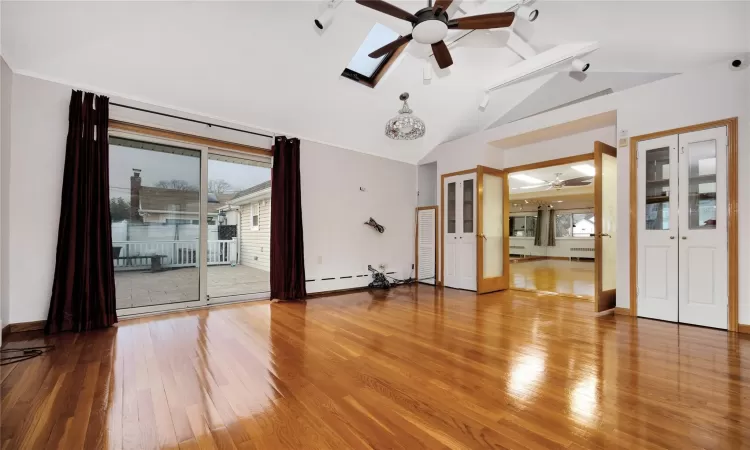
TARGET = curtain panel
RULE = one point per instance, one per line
(83, 289)
(287, 243)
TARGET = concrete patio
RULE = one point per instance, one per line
(144, 288)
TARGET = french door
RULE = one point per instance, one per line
(605, 226)
(460, 241)
(682, 228)
(492, 230)
(190, 224)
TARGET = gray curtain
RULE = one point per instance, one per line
(538, 231)
(551, 229)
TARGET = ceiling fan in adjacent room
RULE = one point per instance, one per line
(430, 26)
(558, 184)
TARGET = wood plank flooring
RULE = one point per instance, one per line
(412, 368)
(568, 278)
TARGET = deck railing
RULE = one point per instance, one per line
(136, 255)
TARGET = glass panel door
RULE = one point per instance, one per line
(238, 213)
(155, 222)
(493, 230)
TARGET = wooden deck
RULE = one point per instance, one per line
(408, 369)
(146, 288)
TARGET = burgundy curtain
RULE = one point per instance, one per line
(83, 291)
(287, 244)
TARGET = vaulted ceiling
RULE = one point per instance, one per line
(264, 64)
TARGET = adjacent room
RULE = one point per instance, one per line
(374, 224)
(552, 230)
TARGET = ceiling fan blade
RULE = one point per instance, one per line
(441, 6)
(483, 21)
(442, 55)
(387, 48)
(387, 8)
(580, 181)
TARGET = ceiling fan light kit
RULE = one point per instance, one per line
(430, 26)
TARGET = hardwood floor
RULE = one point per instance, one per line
(568, 278)
(408, 369)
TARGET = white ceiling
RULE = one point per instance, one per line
(547, 174)
(264, 64)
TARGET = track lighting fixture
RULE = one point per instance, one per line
(526, 13)
(580, 65)
(324, 20)
(427, 72)
(485, 101)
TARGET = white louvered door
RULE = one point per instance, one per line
(426, 244)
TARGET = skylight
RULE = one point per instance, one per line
(365, 69)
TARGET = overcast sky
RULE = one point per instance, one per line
(157, 166)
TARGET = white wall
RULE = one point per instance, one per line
(575, 144)
(711, 93)
(6, 84)
(427, 179)
(334, 210)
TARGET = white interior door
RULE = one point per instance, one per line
(450, 227)
(703, 296)
(425, 257)
(467, 239)
(657, 294)
(460, 232)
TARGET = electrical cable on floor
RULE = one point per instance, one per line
(24, 353)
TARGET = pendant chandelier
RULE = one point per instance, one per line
(405, 126)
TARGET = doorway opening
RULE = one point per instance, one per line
(552, 229)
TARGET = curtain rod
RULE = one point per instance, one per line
(190, 120)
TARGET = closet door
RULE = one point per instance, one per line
(467, 239)
(658, 229)
(451, 231)
(703, 228)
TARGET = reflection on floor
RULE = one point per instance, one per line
(144, 288)
(409, 368)
(554, 275)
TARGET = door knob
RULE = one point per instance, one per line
(671, 237)
(684, 237)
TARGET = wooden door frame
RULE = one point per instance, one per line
(416, 240)
(442, 217)
(603, 300)
(732, 219)
(552, 162)
(481, 170)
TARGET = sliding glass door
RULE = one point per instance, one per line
(239, 227)
(190, 225)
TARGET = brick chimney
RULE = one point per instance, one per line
(135, 196)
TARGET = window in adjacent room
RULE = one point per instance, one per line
(523, 226)
(577, 225)
(366, 70)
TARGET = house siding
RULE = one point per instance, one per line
(256, 244)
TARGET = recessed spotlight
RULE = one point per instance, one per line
(586, 169)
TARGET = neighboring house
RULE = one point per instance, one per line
(153, 205)
(251, 209)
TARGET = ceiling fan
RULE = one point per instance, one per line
(558, 184)
(430, 25)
